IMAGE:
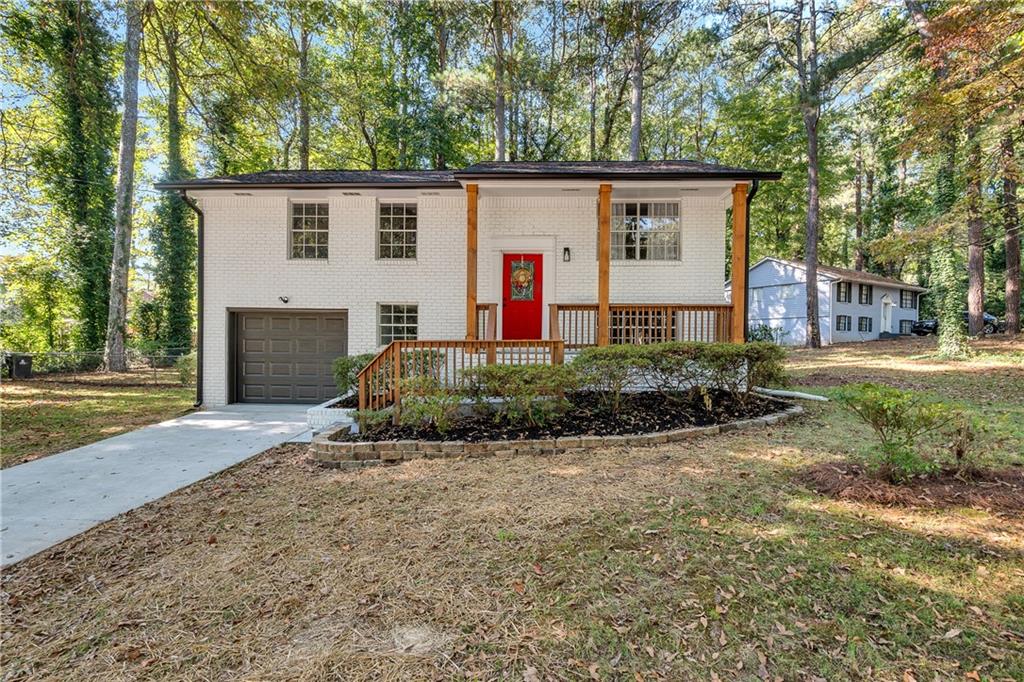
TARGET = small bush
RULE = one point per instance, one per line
(372, 420)
(426, 402)
(347, 369)
(677, 367)
(186, 366)
(609, 371)
(767, 333)
(900, 419)
(530, 394)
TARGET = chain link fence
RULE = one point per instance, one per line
(166, 367)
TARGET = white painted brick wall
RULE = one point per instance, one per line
(247, 264)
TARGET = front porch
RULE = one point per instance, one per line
(599, 321)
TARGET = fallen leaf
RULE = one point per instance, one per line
(952, 633)
(530, 674)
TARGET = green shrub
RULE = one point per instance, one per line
(371, 420)
(530, 394)
(900, 419)
(676, 367)
(609, 370)
(347, 369)
(427, 402)
(186, 366)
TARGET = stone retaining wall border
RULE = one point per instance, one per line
(345, 455)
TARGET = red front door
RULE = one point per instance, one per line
(521, 304)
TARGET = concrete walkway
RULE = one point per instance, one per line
(54, 498)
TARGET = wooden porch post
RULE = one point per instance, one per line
(604, 255)
(739, 263)
(472, 191)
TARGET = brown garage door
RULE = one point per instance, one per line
(285, 357)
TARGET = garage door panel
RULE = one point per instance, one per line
(281, 369)
(281, 346)
(308, 370)
(334, 347)
(288, 357)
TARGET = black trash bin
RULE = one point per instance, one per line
(21, 366)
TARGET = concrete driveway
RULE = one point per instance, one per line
(52, 499)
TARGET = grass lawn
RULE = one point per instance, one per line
(696, 560)
(45, 416)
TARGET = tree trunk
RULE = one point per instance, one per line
(975, 237)
(811, 238)
(498, 34)
(636, 84)
(304, 38)
(113, 352)
(858, 210)
(1011, 220)
(593, 113)
(441, 129)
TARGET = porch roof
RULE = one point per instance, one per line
(679, 169)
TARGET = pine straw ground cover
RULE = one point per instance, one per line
(672, 562)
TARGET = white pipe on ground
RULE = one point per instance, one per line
(790, 394)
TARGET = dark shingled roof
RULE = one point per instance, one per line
(584, 170)
(322, 178)
(669, 169)
(848, 275)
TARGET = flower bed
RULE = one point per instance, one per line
(340, 448)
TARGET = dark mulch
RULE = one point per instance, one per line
(645, 412)
(995, 490)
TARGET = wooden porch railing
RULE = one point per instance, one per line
(380, 382)
(487, 321)
(576, 323)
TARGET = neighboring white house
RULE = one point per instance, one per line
(852, 305)
(299, 267)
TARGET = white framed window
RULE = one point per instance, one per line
(906, 327)
(308, 233)
(907, 299)
(864, 324)
(645, 230)
(843, 292)
(865, 294)
(396, 231)
(843, 323)
(396, 322)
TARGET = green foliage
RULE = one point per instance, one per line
(36, 299)
(767, 333)
(900, 419)
(427, 402)
(67, 42)
(347, 368)
(186, 367)
(609, 370)
(144, 326)
(372, 420)
(529, 394)
(673, 368)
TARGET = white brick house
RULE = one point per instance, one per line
(852, 305)
(297, 267)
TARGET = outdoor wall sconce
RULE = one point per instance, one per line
(282, 299)
(566, 255)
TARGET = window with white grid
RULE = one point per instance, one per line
(842, 323)
(864, 324)
(396, 321)
(645, 230)
(906, 327)
(308, 235)
(907, 299)
(396, 231)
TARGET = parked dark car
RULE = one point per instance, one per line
(925, 327)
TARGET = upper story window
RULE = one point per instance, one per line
(843, 292)
(308, 234)
(866, 295)
(907, 299)
(645, 230)
(396, 231)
